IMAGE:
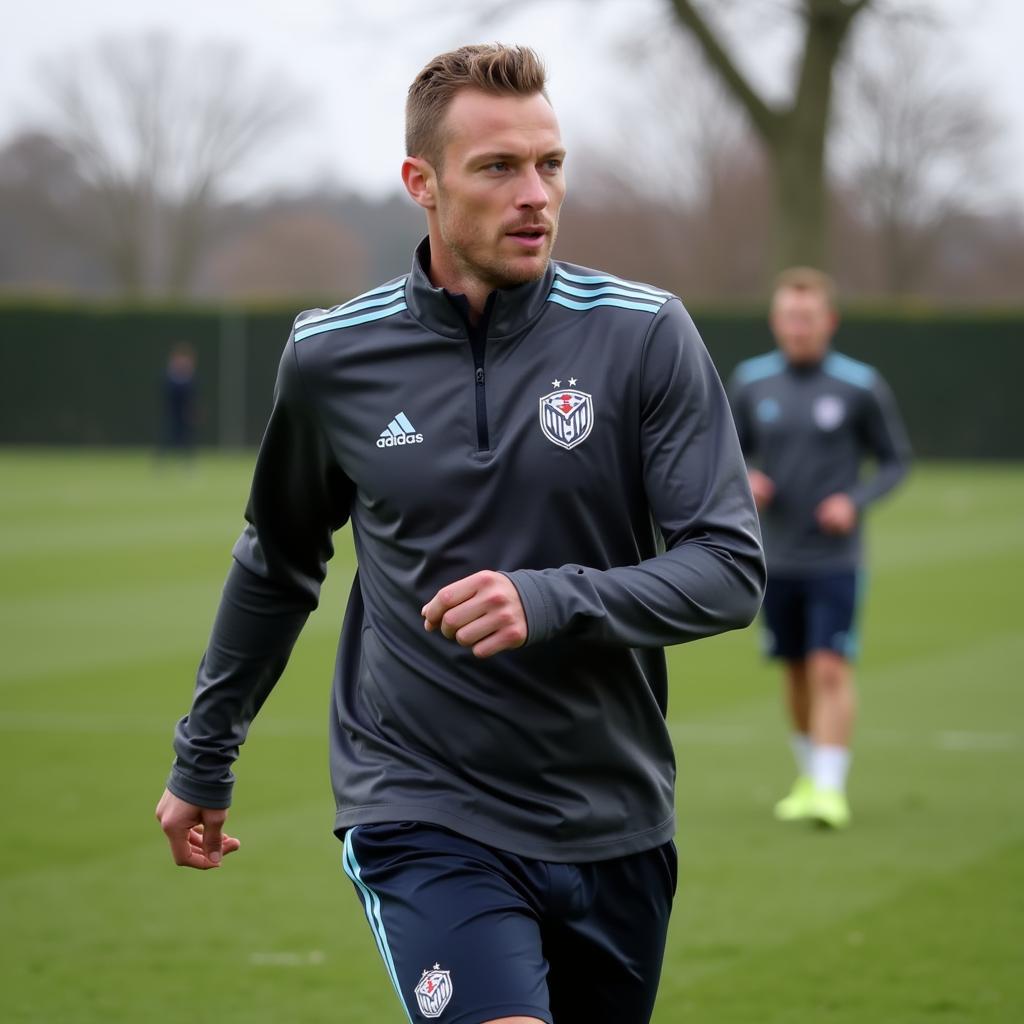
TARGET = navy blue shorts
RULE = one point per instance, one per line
(811, 613)
(469, 933)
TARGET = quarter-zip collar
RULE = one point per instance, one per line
(807, 368)
(512, 310)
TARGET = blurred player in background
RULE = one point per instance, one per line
(180, 390)
(545, 489)
(808, 418)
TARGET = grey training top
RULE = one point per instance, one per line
(577, 439)
(810, 428)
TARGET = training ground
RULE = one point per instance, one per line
(110, 570)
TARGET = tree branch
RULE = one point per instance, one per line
(846, 10)
(765, 119)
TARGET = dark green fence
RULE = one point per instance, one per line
(80, 374)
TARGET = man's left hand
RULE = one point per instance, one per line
(837, 514)
(482, 611)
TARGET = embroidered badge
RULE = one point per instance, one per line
(768, 410)
(829, 411)
(566, 415)
(434, 991)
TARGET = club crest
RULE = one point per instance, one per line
(829, 411)
(567, 416)
(434, 991)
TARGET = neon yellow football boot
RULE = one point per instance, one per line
(829, 807)
(797, 804)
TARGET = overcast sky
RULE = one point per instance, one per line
(354, 62)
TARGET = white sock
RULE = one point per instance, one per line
(829, 767)
(801, 744)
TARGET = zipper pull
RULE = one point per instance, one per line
(480, 377)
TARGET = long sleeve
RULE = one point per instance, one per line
(710, 577)
(883, 436)
(299, 496)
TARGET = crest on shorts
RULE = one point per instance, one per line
(829, 411)
(566, 415)
(434, 991)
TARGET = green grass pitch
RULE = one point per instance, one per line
(110, 571)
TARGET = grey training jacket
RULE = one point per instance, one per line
(579, 440)
(811, 428)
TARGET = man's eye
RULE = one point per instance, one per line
(553, 165)
(498, 165)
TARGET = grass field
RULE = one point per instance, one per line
(109, 575)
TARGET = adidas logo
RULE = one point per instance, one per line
(399, 432)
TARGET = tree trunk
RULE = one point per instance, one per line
(187, 233)
(798, 145)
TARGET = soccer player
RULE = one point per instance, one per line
(808, 418)
(545, 488)
(179, 387)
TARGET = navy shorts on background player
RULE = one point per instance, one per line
(469, 933)
(811, 613)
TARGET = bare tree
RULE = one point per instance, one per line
(912, 147)
(794, 134)
(693, 156)
(295, 252)
(157, 130)
(42, 205)
(690, 130)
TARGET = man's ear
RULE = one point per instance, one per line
(420, 181)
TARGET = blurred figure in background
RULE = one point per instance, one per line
(179, 394)
(807, 419)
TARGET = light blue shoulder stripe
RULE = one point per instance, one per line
(561, 300)
(760, 367)
(371, 904)
(340, 314)
(607, 290)
(347, 307)
(337, 325)
(610, 279)
(850, 370)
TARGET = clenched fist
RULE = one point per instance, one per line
(482, 611)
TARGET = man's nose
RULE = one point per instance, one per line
(532, 193)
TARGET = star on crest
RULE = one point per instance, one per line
(572, 382)
(556, 383)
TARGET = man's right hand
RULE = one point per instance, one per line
(195, 833)
(761, 487)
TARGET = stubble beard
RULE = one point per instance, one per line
(495, 271)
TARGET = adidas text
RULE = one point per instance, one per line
(392, 442)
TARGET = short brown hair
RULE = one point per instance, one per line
(489, 67)
(807, 279)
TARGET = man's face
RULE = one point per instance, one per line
(500, 187)
(803, 322)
